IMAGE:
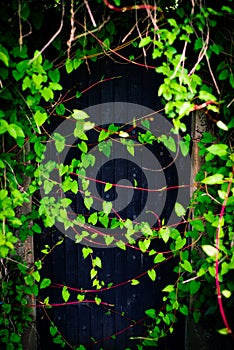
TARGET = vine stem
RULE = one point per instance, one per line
(220, 303)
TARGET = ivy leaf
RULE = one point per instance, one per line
(169, 142)
(159, 258)
(170, 288)
(207, 96)
(194, 287)
(15, 131)
(83, 147)
(88, 201)
(134, 282)
(197, 224)
(179, 209)
(107, 187)
(103, 135)
(47, 93)
(107, 206)
(108, 239)
(105, 147)
(120, 244)
(165, 234)
(65, 294)
(151, 313)
(144, 41)
(184, 147)
(3, 126)
(218, 149)
(54, 75)
(144, 245)
(152, 274)
(48, 185)
(86, 251)
(221, 125)
(123, 134)
(60, 109)
(45, 283)
(93, 218)
(184, 310)
(53, 330)
(59, 141)
(213, 179)
(209, 250)
(93, 273)
(79, 114)
(40, 117)
(97, 262)
(187, 266)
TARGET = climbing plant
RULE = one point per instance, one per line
(191, 46)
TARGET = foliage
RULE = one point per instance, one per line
(194, 57)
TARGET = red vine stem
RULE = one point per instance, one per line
(220, 303)
(131, 187)
(129, 8)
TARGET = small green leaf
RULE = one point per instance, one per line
(194, 287)
(45, 283)
(93, 273)
(83, 147)
(54, 75)
(88, 201)
(152, 274)
(60, 109)
(187, 266)
(218, 149)
(221, 125)
(170, 288)
(134, 282)
(213, 179)
(86, 251)
(97, 262)
(103, 135)
(4, 57)
(165, 234)
(184, 310)
(3, 126)
(53, 330)
(105, 147)
(179, 209)
(59, 141)
(226, 293)
(79, 114)
(144, 245)
(197, 224)
(48, 185)
(151, 313)
(107, 206)
(65, 294)
(223, 331)
(121, 245)
(145, 41)
(159, 258)
(107, 187)
(108, 239)
(93, 218)
(209, 250)
(40, 117)
(123, 134)
(98, 300)
(47, 93)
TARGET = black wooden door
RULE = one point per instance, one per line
(112, 324)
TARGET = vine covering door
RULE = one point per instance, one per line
(111, 314)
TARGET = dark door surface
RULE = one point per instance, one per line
(121, 314)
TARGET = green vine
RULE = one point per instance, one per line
(191, 46)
